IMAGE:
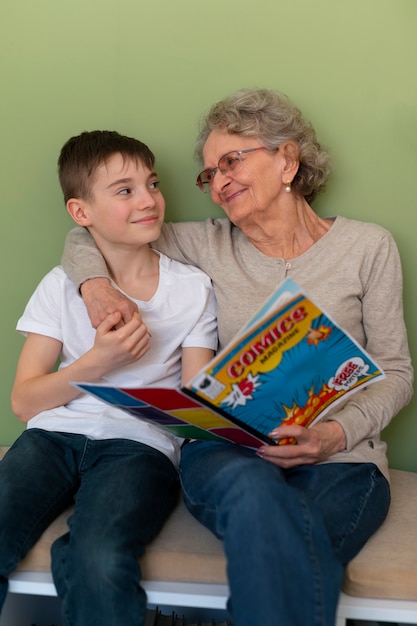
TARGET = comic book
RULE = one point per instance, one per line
(289, 364)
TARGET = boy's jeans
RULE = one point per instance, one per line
(286, 533)
(123, 493)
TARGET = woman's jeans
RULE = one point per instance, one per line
(287, 533)
(123, 493)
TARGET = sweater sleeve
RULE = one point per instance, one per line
(369, 411)
(81, 258)
(83, 261)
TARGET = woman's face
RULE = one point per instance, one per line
(250, 193)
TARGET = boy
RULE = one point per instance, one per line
(121, 471)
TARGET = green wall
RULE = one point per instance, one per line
(151, 68)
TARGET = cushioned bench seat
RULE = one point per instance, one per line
(387, 566)
(380, 583)
(183, 551)
(183, 566)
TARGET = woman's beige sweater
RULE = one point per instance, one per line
(353, 272)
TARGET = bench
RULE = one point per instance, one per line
(185, 565)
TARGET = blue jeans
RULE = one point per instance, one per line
(123, 493)
(287, 533)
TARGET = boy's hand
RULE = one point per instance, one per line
(117, 347)
(101, 299)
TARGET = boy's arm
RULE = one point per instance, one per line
(193, 360)
(37, 388)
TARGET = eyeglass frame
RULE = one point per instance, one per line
(213, 170)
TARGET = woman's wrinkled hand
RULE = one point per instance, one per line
(102, 299)
(313, 445)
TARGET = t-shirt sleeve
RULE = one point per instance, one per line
(42, 313)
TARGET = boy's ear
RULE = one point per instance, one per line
(75, 208)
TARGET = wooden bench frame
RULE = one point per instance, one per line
(212, 596)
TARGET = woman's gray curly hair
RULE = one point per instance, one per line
(270, 117)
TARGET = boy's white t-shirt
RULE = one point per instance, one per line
(182, 313)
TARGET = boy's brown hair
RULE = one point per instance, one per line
(82, 155)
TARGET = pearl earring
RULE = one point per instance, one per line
(288, 186)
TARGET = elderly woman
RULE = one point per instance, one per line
(290, 516)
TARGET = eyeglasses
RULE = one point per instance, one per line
(229, 163)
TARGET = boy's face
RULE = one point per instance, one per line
(125, 205)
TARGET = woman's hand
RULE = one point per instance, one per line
(313, 445)
(101, 299)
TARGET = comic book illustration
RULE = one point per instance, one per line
(288, 365)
